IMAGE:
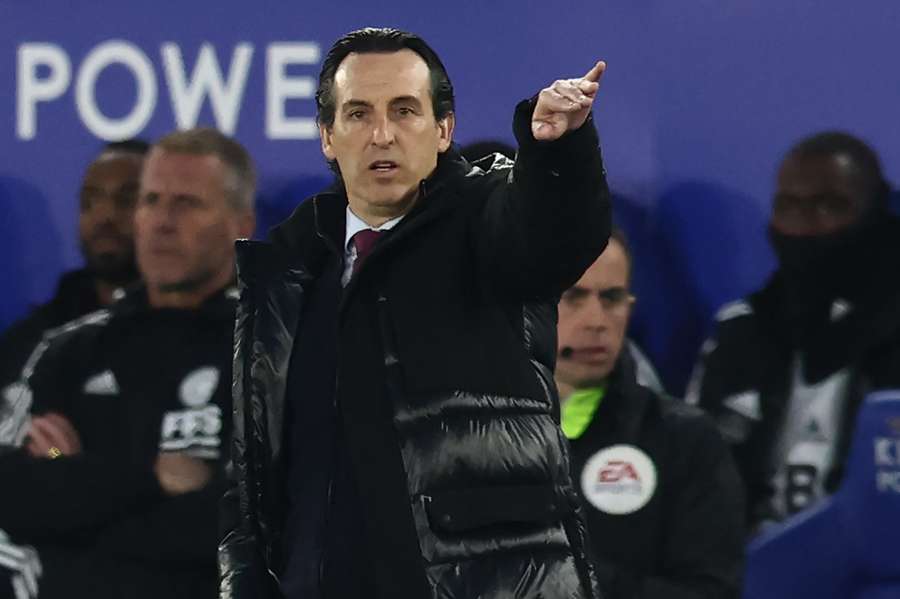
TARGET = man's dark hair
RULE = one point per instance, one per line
(128, 146)
(863, 157)
(618, 236)
(381, 40)
(480, 149)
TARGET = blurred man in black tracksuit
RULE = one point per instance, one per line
(105, 216)
(121, 462)
(788, 367)
(662, 495)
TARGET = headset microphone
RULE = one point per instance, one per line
(566, 352)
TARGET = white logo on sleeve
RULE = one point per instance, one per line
(619, 480)
(839, 309)
(196, 429)
(746, 404)
(103, 383)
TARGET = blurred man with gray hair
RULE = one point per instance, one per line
(118, 480)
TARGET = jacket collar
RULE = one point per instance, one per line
(626, 404)
(317, 226)
(219, 303)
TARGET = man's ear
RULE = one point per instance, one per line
(247, 225)
(445, 130)
(325, 136)
(242, 224)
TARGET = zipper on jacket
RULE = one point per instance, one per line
(324, 554)
(329, 495)
(391, 362)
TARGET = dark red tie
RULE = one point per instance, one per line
(364, 241)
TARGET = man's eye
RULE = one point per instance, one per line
(573, 298)
(405, 111)
(614, 295)
(126, 199)
(356, 115)
(188, 202)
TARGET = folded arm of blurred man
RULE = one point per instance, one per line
(106, 211)
(394, 436)
(119, 478)
(662, 494)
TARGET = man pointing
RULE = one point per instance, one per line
(396, 430)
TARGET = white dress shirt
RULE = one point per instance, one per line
(354, 226)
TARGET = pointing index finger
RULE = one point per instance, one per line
(595, 72)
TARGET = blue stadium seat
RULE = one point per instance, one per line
(880, 591)
(847, 547)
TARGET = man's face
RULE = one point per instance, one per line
(385, 138)
(817, 196)
(184, 223)
(593, 316)
(106, 214)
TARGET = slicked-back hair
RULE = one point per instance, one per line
(864, 159)
(381, 40)
(241, 182)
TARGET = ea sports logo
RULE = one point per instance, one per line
(619, 480)
(619, 471)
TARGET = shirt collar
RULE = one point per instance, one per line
(356, 224)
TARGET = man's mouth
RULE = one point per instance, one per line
(590, 355)
(383, 166)
(163, 251)
(107, 240)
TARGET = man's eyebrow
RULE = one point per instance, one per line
(577, 290)
(356, 104)
(405, 100)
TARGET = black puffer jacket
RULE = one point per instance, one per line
(449, 420)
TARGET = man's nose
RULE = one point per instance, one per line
(163, 218)
(102, 209)
(596, 317)
(383, 132)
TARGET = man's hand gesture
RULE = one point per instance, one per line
(565, 105)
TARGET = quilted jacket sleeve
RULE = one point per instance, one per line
(548, 219)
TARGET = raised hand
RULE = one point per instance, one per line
(565, 105)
